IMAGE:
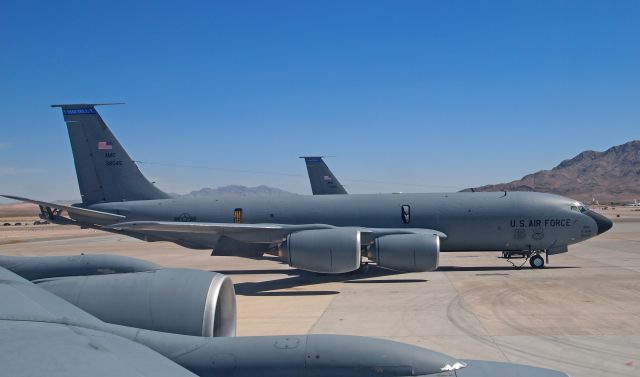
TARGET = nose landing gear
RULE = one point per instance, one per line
(536, 261)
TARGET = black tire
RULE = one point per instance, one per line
(536, 261)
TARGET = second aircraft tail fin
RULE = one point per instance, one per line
(322, 180)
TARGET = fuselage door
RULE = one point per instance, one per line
(237, 216)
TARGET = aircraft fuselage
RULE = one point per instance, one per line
(487, 221)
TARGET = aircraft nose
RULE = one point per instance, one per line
(603, 223)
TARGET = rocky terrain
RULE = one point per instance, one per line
(609, 176)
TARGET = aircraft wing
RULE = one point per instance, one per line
(98, 216)
(43, 335)
(253, 233)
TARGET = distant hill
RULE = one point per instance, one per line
(235, 190)
(609, 176)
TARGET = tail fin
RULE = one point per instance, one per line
(105, 171)
(322, 180)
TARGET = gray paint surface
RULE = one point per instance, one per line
(471, 221)
(321, 178)
(578, 316)
(95, 152)
(34, 268)
(45, 335)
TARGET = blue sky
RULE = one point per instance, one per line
(413, 96)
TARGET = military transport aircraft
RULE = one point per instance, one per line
(319, 233)
(105, 315)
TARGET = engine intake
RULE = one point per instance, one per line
(406, 252)
(179, 301)
(333, 251)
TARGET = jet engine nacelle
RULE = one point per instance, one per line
(406, 252)
(332, 251)
(179, 301)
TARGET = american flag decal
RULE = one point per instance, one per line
(104, 145)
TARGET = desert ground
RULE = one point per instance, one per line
(581, 314)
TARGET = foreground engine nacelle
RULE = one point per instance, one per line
(332, 251)
(406, 252)
(179, 301)
(35, 268)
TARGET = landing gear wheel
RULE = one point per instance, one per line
(536, 261)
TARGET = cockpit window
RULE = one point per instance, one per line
(579, 207)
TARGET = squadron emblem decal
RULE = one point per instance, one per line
(184, 218)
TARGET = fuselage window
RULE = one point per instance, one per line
(237, 216)
(579, 208)
(406, 214)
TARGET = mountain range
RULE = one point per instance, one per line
(234, 190)
(609, 176)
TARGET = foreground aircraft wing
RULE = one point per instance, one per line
(97, 216)
(254, 233)
(43, 335)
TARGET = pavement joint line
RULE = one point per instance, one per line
(326, 308)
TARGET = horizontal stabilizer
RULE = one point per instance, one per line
(81, 105)
(99, 216)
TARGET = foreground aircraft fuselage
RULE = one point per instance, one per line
(107, 315)
(471, 221)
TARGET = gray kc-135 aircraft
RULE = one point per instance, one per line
(319, 233)
(107, 315)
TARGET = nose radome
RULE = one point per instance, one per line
(603, 223)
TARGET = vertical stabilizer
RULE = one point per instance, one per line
(322, 180)
(105, 171)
